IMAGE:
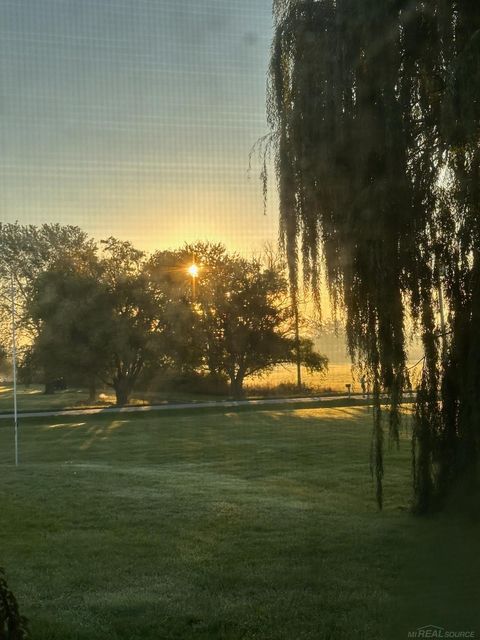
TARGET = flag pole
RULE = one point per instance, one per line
(14, 366)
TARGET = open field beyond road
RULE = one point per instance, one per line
(226, 525)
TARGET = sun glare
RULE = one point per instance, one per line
(193, 270)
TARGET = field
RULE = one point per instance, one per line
(335, 379)
(225, 525)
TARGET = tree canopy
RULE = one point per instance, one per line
(75, 318)
(26, 251)
(243, 321)
(99, 325)
(108, 314)
(375, 112)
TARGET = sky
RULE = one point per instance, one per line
(135, 118)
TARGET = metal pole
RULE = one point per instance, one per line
(14, 363)
(297, 348)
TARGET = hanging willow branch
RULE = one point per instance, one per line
(375, 118)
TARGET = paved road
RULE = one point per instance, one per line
(179, 406)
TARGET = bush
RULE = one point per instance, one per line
(13, 626)
(280, 390)
(185, 382)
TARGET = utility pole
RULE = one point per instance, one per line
(14, 365)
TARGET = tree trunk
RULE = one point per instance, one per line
(92, 392)
(50, 388)
(236, 386)
(123, 389)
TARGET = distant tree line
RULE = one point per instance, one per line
(109, 314)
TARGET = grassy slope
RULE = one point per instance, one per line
(224, 525)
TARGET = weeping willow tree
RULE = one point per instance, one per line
(374, 107)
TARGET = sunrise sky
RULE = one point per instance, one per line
(135, 118)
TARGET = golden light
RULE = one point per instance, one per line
(193, 270)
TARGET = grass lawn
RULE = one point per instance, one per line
(225, 525)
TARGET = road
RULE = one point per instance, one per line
(227, 404)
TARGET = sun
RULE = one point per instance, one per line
(193, 270)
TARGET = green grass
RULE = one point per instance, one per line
(234, 525)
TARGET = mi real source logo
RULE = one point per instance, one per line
(431, 631)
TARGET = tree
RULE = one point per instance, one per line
(251, 324)
(174, 290)
(244, 323)
(75, 316)
(3, 360)
(99, 321)
(29, 250)
(139, 332)
(375, 116)
(26, 252)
